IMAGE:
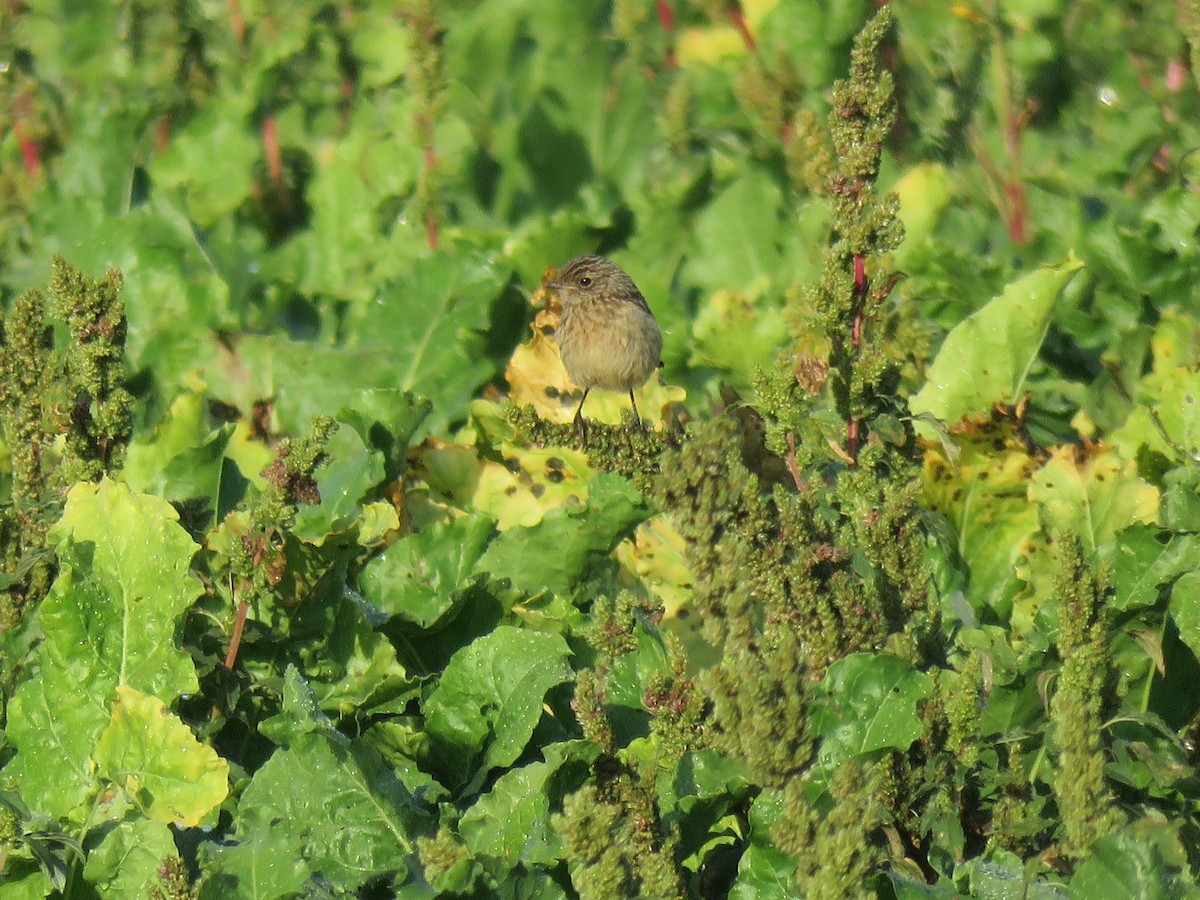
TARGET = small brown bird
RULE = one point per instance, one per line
(607, 336)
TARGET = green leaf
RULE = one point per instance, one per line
(1185, 609)
(418, 577)
(352, 470)
(1004, 876)
(868, 703)
(53, 721)
(183, 459)
(212, 159)
(266, 863)
(1093, 493)
(631, 673)
(354, 669)
(386, 420)
(1169, 422)
(556, 553)
(301, 713)
(124, 581)
(1124, 867)
(1142, 565)
(159, 764)
(765, 872)
(511, 822)
(489, 698)
(918, 890)
(430, 323)
(924, 191)
(986, 359)
(337, 803)
(127, 860)
(110, 620)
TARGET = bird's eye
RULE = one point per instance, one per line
(585, 281)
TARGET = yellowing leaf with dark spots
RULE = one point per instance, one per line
(1092, 491)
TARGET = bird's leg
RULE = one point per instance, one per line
(636, 418)
(580, 421)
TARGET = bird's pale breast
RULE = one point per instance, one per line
(614, 347)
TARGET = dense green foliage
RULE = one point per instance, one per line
(311, 590)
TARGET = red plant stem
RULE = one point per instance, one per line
(239, 625)
(852, 439)
(274, 154)
(791, 461)
(29, 150)
(162, 134)
(270, 139)
(666, 18)
(237, 21)
(1018, 211)
(739, 22)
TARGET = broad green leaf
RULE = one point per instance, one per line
(1092, 493)
(125, 864)
(983, 494)
(212, 159)
(386, 420)
(304, 379)
(301, 713)
(702, 774)
(428, 323)
(1123, 867)
(110, 620)
(183, 459)
(705, 792)
(349, 247)
(125, 580)
(1180, 508)
(1002, 875)
(754, 200)
(158, 762)
(631, 673)
(266, 863)
(53, 721)
(1169, 422)
(1142, 565)
(752, 317)
(353, 667)
(764, 872)
(906, 889)
(352, 469)
(557, 552)
(1185, 609)
(987, 358)
(489, 698)
(337, 803)
(23, 881)
(417, 578)
(512, 820)
(868, 703)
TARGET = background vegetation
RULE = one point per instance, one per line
(312, 591)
